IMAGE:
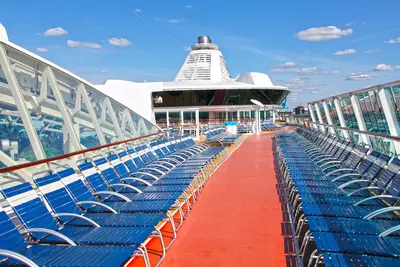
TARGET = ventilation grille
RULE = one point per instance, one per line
(196, 67)
(224, 70)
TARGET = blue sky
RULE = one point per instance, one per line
(292, 41)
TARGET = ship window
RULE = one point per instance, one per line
(218, 97)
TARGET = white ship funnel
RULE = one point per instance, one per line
(204, 62)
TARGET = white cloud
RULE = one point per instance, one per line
(345, 52)
(138, 10)
(288, 64)
(358, 77)
(383, 67)
(174, 21)
(189, 6)
(119, 41)
(41, 50)
(315, 92)
(323, 33)
(393, 41)
(326, 72)
(371, 51)
(295, 70)
(83, 44)
(103, 71)
(348, 24)
(187, 48)
(55, 32)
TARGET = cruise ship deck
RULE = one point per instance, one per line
(88, 180)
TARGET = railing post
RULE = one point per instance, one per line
(342, 121)
(71, 132)
(197, 124)
(390, 115)
(167, 115)
(312, 116)
(93, 117)
(360, 118)
(319, 117)
(20, 103)
(328, 117)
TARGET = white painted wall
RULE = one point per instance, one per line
(136, 96)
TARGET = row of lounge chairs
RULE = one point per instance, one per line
(270, 127)
(107, 213)
(343, 199)
(219, 135)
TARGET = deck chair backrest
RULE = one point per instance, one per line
(376, 167)
(367, 162)
(118, 165)
(341, 147)
(335, 146)
(55, 193)
(139, 161)
(92, 176)
(355, 157)
(145, 156)
(388, 174)
(128, 162)
(347, 151)
(75, 186)
(157, 149)
(393, 189)
(10, 238)
(151, 154)
(29, 208)
(106, 168)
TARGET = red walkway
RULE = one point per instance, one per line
(236, 221)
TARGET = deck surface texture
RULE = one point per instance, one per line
(237, 220)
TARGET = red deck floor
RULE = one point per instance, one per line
(236, 221)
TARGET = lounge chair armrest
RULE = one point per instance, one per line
(330, 162)
(353, 182)
(338, 170)
(152, 169)
(16, 256)
(97, 204)
(170, 159)
(346, 175)
(390, 231)
(330, 166)
(376, 197)
(176, 156)
(164, 162)
(324, 159)
(49, 232)
(66, 214)
(111, 193)
(136, 179)
(158, 165)
(126, 186)
(364, 189)
(145, 173)
(375, 213)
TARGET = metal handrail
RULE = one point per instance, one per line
(64, 156)
(393, 138)
(375, 87)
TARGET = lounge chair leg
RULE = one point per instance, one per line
(158, 234)
(172, 222)
(312, 257)
(181, 214)
(146, 258)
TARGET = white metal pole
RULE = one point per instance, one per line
(360, 118)
(197, 124)
(342, 121)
